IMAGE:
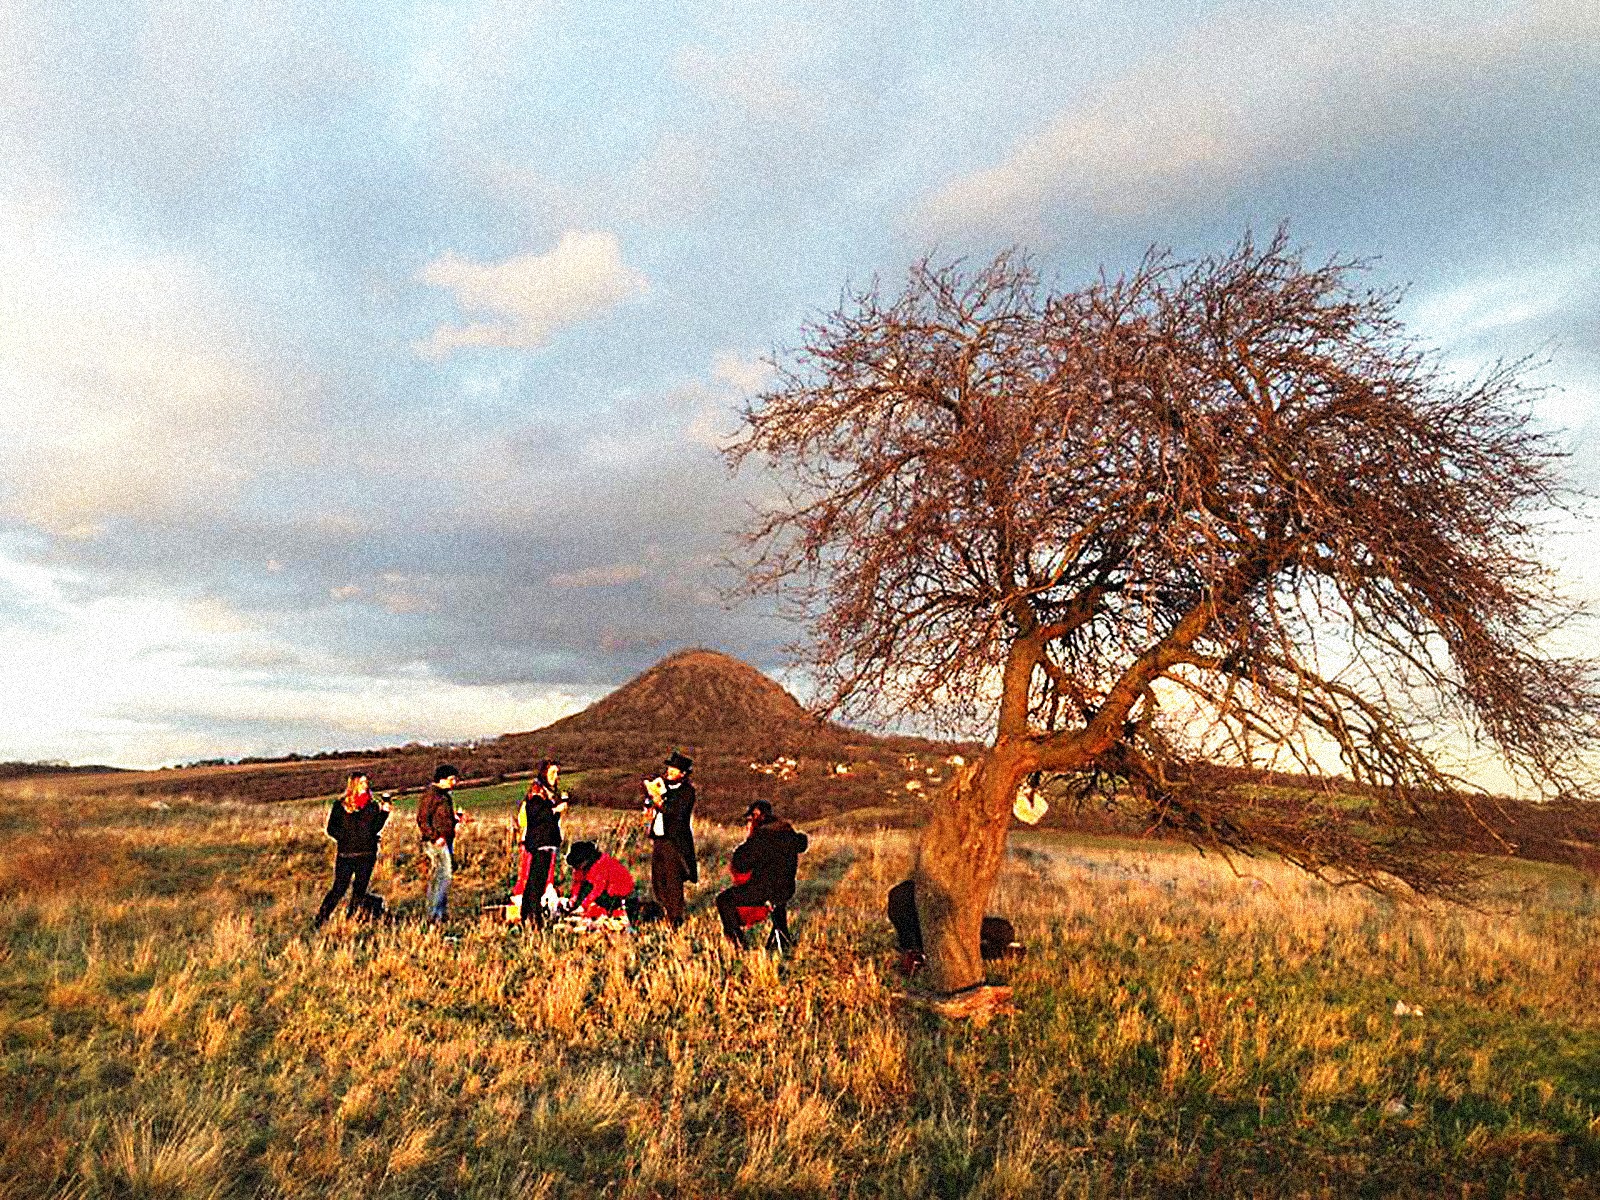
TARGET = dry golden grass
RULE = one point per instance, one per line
(171, 1027)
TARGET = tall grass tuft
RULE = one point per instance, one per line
(142, 1161)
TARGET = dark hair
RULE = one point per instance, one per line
(761, 809)
(541, 773)
(443, 771)
(583, 855)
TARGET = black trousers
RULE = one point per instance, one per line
(995, 935)
(668, 874)
(903, 916)
(353, 871)
(541, 874)
(744, 895)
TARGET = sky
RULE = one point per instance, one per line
(363, 366)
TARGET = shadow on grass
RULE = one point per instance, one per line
(817, 884)
(180, 870)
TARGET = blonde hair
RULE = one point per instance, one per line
(354, 788)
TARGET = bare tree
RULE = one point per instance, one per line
(1171, 530)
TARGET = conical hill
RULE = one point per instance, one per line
(750, 739)
(698, 696)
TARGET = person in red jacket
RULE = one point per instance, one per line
(601, 886)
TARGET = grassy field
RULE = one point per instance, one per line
(169, 1026)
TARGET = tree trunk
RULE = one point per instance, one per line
(958, 858)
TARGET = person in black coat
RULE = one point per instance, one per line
(670, 802)
(763, 867)
(540, 821)
(355, 824)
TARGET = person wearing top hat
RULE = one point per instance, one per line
(670, 802)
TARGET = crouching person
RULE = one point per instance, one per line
(997, 937)
(601, 886)
(763, 870)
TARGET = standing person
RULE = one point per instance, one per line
(539, 819)
(763, 867)
(355, 823)
(436, 821)
(670, 800)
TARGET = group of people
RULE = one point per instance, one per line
(601, 888)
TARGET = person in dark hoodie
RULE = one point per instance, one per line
(436, 822)
(355, 823)
(539, 819)
(670, 802)
(763, 867)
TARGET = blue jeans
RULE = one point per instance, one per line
(438, 879)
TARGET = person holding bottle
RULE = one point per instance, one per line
(355, 823)
(437, 820)
(539, 820)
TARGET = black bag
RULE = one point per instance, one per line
(998, 939)
(371, 908)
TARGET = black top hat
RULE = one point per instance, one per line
(680, 760)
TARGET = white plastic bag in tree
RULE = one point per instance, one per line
(1029, 807)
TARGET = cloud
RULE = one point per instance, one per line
(1243, 95)
(143, 680)
(713, 421)
(526, 299)
(745, 375)
(128, 387)
(757, 80)
(1541, 310)
(591, 577)
(1485, 307)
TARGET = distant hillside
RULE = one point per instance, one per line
(750, 739)
(30, 770)
(700, 694)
